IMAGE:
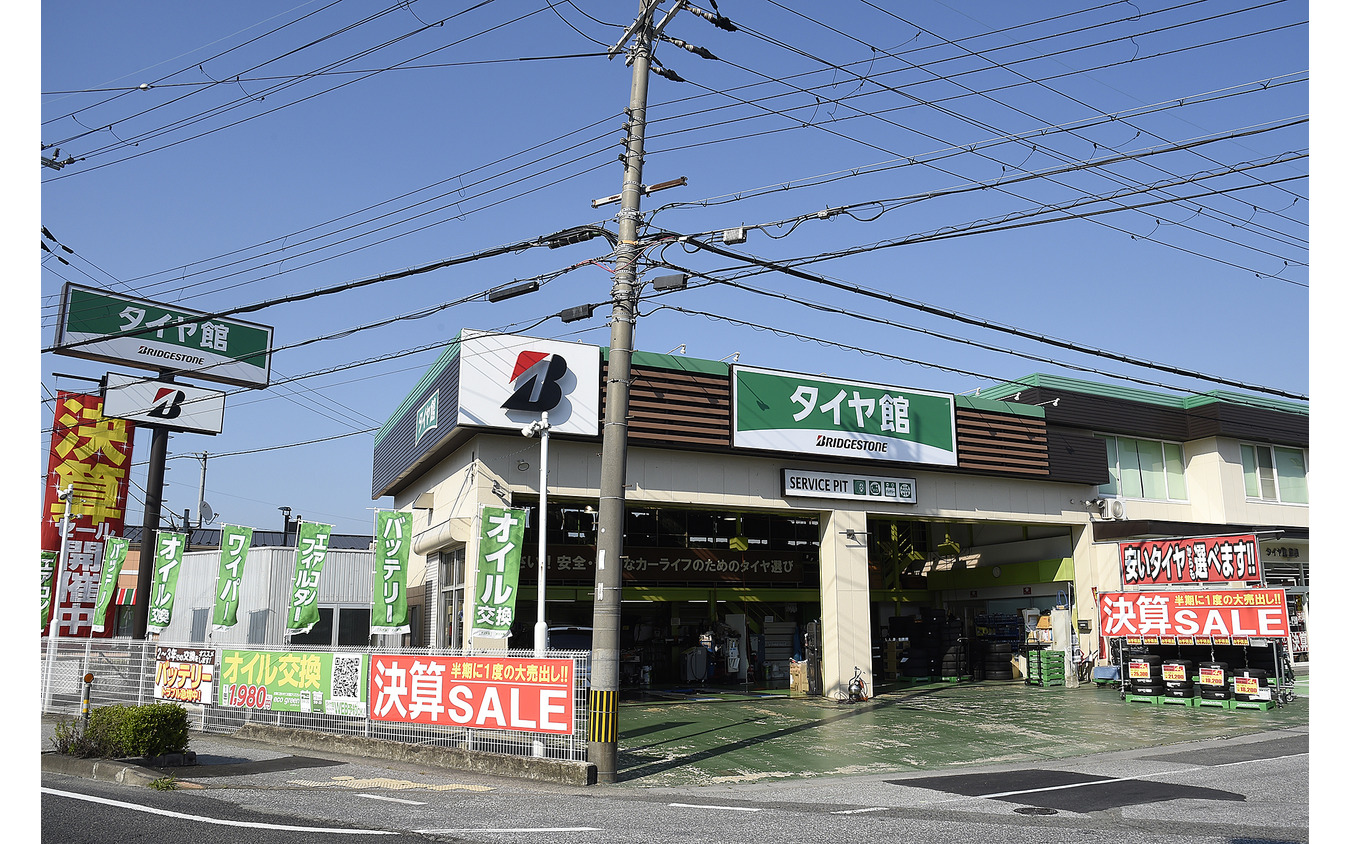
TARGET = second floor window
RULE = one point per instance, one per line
(1275, 473)
(1148, 469)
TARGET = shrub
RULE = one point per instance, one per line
(118, 731)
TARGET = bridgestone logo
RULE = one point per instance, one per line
(823, 441)
(178, 356)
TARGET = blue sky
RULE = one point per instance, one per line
(1129, 178)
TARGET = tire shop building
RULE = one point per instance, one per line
(776, 519)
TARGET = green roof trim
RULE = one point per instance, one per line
(1075, 385)
(679, 363)
(451, 353)
(997, 406)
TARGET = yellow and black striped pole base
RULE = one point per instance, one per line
(604, 716)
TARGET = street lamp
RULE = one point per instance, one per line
(540, 429)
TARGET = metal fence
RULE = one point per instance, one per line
(124, 672)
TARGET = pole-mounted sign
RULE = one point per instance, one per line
(115, 328)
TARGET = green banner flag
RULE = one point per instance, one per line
(48, 586)
(389, 586)
(499, 545)
(311, 550)
(234, 544)
(114, 555)
(168, 560)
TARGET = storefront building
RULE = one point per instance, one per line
(875, 529)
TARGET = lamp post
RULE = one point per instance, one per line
(540, 429)
(65, 496)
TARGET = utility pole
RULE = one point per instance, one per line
(603, 740)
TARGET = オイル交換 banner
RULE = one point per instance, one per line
(1200, 559)
(498, 572)
(294, 681)
(1224, 614)
(164, 584)
(484, 692)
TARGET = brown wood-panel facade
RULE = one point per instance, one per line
(669, 408)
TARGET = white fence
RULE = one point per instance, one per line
(124, 672)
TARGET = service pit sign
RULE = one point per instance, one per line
(1212, 614)
(119, 329)
(813, 415)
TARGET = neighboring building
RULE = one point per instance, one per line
(743, 527)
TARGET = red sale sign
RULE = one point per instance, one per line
(1218, 613)
(483, 692)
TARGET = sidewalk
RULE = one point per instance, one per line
(725, 738)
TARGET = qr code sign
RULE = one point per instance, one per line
(346, 677)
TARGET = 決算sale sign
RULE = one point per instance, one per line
(491, 693)
(1215, 613)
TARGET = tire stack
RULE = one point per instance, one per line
(996, 659)
(1145, 675)
(1242, 679)
(955, 662)
(1177, 682)
(1214, 681)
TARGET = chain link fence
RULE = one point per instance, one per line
(124, 672)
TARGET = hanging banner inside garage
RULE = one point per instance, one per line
(1208, 559)
(812, 415)
(1209, 614)
(90, 454)
(389, 587)
(498, 572)
(492, 693)
(311, 551)
(114, 555)
(234, 544)
(168, 563)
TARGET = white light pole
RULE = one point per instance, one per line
(65, 496)
(540, 428)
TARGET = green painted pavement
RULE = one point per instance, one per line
(713, 739)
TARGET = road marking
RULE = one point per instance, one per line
(511, 829)
(384, 782)
(860, 811)
(725, 808)
(392, 799)
(220, 822)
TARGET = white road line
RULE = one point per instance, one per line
(860, 811)
(218, 821)
(725, 808)
(511, 829)
(391, 799)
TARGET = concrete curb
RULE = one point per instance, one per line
(560, 771)
(106, 770)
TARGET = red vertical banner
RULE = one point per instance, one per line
(92, 455)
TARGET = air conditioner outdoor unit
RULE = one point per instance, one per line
(1114, 509)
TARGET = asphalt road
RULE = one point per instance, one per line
(1249, 788)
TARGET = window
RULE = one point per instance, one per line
(201, 616)
(1275, 473)
(451, 606)
(1148, 469)
(352, 628)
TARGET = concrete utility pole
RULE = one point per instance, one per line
(603, 741)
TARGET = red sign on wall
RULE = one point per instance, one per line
(483, 692)
(1215, 613)
(90, 454)
(1207, 559)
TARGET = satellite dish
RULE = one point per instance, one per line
(208, 515)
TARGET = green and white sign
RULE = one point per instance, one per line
(116, 328)
(114, 555)
(498, 571)
(311, 551)
(168, 562)
(389, 585)
(234, 544)
(813, 415)
(807, 483)
(48, 585)
(295, 681)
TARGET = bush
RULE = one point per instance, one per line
(117, 731)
